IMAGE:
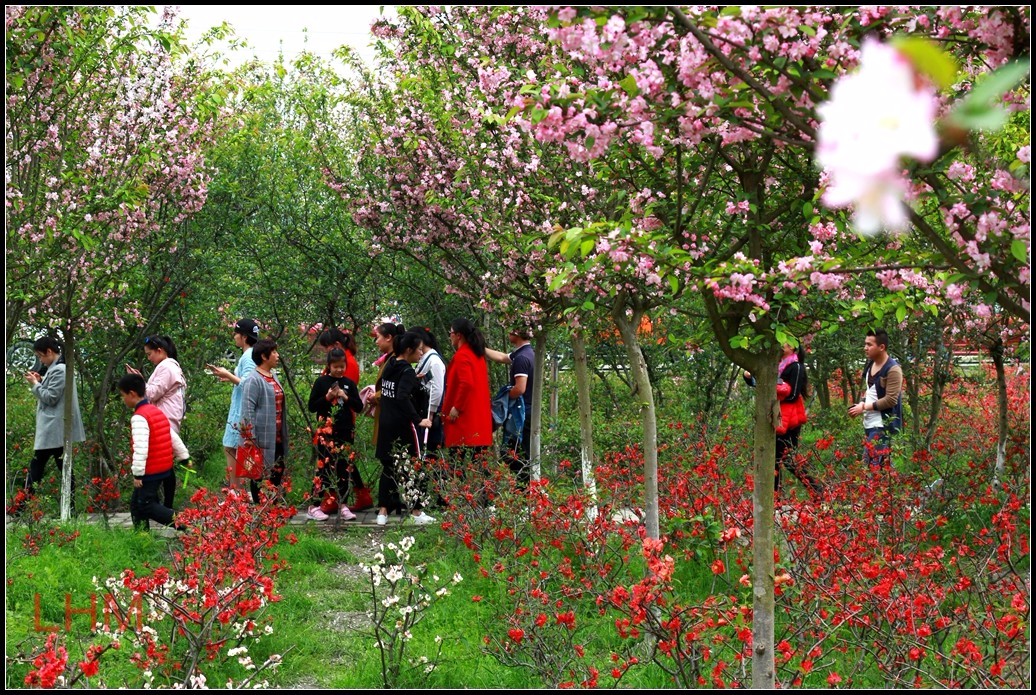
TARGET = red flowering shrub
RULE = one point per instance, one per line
(214, 591)
(912, 576)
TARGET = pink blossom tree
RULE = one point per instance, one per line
(729, 98)
(102, 150)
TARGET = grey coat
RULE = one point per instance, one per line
(50, 410)
(259, 409)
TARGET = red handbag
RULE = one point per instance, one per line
(330, 503)
(249, 461)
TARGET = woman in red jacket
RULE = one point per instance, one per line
(467, 418)
(791, 389)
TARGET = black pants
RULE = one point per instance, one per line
(388, 485)
(276, 475)
(169, 488)
(144, 506)
(519, 455)
(342, 476)
(39, 462)
(787, 448)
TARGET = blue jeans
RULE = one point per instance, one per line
(877, 447)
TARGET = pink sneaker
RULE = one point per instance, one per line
(316, 514)
(346, 514)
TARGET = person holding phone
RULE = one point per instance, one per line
(49, 391)
(334, 398)
(246, 335)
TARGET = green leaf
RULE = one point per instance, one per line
(991, 118)
(980, 109)
(901, 313)
(879, 313)
(1019, 251)
(674, 283)
(588, 305)
(586, 247)
(629, 84)
(807, 210)
(998, 82)
(929, 59)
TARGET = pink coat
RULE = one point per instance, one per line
(166, 391)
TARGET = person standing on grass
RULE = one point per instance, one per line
(431, 374)
(467, 414)
(246, 335)
(882, 406)
(334, 398)
(155, 445)
(49, 392)
(522, 363)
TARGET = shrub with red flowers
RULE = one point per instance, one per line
(912, 576)
(213, 594)
(49, 668)
(104, 495)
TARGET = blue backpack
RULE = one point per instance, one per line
(508, 413)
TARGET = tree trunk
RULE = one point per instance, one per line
(767, 413)
(824, 393)
(996, 351)
(586, 431)
(638, 366)
(555, 387)
(536, 429)
(940, 376)
(70, 398)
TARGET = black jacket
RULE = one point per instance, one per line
(341, 413)
(399, 387)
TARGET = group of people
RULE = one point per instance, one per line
(417, 411)
(158, 408)
(881, 407)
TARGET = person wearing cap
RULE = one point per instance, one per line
(246, 334)
(522, 362)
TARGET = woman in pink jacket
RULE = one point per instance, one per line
(166, 390)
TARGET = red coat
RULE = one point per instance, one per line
(467, 390)
(352, 368)
(793, 414)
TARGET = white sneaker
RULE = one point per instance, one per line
(346, 514)
(382, 519)
(316, 514)
(422, 519)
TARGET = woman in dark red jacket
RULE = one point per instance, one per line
(467, 417)
(791, 390)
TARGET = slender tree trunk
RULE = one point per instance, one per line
(536, 428)
(70, 394)
(767, 413)
(555, 385)
(940, 376)
(638, 366)
(824, 393)
(586, 430)
(996, 351)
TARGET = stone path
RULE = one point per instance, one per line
(364, 519)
